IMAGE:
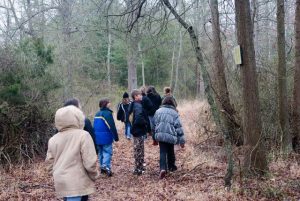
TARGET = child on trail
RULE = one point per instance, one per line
(87, 123)
(168, 133)
(71, 156)
(168, 92)
(156, 102)
(123, 114)
(105, 134)
(140, 123)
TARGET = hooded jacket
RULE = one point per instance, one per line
(167, 126)
(71, 156)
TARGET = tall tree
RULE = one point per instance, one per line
(219, 81)
(142, 61)
(207, 86)
(296, 91)
(175, 89)
(65, 10)
(255, 153)
(281, 76)
(109, 44)
(132, 58)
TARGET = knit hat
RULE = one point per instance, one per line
(125, 95)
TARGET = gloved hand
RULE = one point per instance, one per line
(154, 143)
(182, 146)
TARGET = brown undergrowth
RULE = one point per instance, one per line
(201, 167)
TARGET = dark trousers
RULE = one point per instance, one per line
(167, 156)
(138, 149)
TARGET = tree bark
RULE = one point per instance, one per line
(66, 14)
(132, 64)
(255, 153)
(173, 60)
(29, 16)
(296, 91)
(177, 63)
(108, 73)
(142, 61)
(281, 77)
(219, 81)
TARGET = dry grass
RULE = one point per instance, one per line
(201, 163)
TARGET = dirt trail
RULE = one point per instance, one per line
(199, 177)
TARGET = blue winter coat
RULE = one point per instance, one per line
(104, 127)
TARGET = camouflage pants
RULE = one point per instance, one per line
(138, 149)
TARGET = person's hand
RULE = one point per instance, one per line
(182, 146)
(154, 143)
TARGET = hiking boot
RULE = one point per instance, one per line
(109, 172)
(173, 168)
(162, 174)
(103, 171)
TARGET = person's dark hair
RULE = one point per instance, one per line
(135, 92)
(169, 100)
(72, 101)
(125, 95)
(103, 102)
(151, 89)
(167, 90)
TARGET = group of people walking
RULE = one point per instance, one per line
(72, 153)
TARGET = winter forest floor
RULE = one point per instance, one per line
(201, 167)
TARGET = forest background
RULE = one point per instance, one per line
(52, 50)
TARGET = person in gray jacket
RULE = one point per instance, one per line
(168, 132)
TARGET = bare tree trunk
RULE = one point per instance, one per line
(142, 61)
(222, 94)
(28, 8)
(66, 14)
(8, 27)
(296, 91)
(108, 74)
(199, 13)
(282, 84)
(198, 81)
(132, 58)
(177, 63)
(20, 26)
(255, 153)
(173, 58)
(207, 86)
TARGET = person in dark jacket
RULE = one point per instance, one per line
(168, 132)
(87, 123)
(156, 102)
(140, 125)
(148, 107)
(105, 134)
(123, 114)
(168, 93)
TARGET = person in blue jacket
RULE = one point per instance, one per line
(105, 134)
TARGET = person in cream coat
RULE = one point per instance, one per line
(71, 156)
